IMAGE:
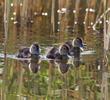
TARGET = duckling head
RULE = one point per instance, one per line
(34, 49)
(77, 42)
(64, 50)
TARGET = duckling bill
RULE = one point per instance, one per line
(29, 52)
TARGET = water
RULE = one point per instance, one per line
(80, 78)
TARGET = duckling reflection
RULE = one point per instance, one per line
(29, 52)
(76, 60)
(33, 64)
(63, 66)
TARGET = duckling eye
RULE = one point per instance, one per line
(64, 48)
(37, 46)
(79, 40)
(34, 47)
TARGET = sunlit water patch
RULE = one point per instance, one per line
(87, 52)
(42, 57)
(13, 57)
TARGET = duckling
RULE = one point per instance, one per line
(60, 53)
(29, 52)
(75, 46)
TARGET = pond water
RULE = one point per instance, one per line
(80, 78)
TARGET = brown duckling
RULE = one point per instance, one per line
(29, 52)
(75, 46)
(60, 53)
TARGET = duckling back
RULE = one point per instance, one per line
(23, 53)
(51, 54)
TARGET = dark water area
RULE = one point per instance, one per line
(79, 78)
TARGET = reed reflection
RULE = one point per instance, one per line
(76, 60)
